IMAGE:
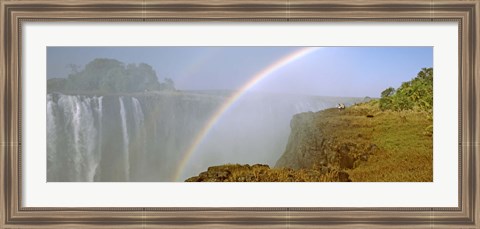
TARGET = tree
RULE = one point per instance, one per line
(426, 73)
(388, 92)
(73, 67)
(416, 93)
(169, 83)
(56, 84)
(112, 76)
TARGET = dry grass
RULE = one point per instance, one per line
(403, 140)
(406, 150)
(262, 173)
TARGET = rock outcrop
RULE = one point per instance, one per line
(360, 143)
(263, 173)
(325, 140)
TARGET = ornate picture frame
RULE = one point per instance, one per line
(14, 13)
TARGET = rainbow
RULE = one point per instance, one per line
(233, 98)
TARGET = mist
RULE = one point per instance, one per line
(114, 121)
(144, 137)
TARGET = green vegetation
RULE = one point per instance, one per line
(402, 129)
(405, 149)
(400, 126)
(110, 76)
(381, 140)
(415, 94)
(388, 146)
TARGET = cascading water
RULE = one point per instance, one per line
(137, 115)
(94, 161)
(139, 123)
(71, 131)
(51, 135)
(125, 139)
(142, 137)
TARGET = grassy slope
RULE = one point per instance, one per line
(405, 144)
(405, 149)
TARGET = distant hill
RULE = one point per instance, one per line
(110, 76)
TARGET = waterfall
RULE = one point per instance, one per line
(75, 132)
(71, 119)
(125, 139)
(138, 114)
(139, 142)
(95, 161)
(51, 135)
(79, 135)
(139, 123)
(141, 137)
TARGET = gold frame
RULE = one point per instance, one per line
(14, 12)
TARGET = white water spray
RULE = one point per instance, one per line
(125, 139)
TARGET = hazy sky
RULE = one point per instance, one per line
(330, 71)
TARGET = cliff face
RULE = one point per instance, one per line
(145, 136)
(366, 143)
(263, 173)
(360, 143)
(325, 140)
(129, 137)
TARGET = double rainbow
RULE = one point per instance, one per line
(233, 98)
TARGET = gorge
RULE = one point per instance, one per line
(143, 136)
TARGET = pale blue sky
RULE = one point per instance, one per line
(330, 71)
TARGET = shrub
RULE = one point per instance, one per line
(414, 94)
